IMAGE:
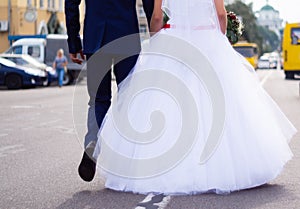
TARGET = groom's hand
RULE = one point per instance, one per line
(74, 57)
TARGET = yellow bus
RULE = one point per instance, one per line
(249, 51)
(291, 50)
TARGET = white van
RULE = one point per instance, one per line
(44, 50)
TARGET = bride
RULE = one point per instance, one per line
(192, 116)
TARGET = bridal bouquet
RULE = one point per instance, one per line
(166, 18)
(234, 27)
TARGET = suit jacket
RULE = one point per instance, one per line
(105, 21)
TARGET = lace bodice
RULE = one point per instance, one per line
(193, 14)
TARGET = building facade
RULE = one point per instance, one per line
(34, 17)
(268, 17)
(144, 29)
(31, 17)
(232, 1)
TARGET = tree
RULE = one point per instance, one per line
(270, 39)
(265, 39)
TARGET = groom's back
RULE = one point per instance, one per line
(107, 9)
(107, 20)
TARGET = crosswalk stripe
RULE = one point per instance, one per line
(154, 202)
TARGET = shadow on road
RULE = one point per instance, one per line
(103, 198)
(258, 197)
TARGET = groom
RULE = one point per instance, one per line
(105, 21)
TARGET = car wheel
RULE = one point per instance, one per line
(289, 75)
(13, 81)
(68, 79)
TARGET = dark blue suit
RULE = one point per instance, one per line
(105, 21)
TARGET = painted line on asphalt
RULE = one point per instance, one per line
(64, 129)
(11, 149)
(263, 81)
(22, 106)
(50, 122)
(44, 124)
(154, 202)
(2, 135)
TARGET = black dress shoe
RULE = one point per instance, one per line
(87, 168)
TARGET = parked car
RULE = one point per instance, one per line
(269, 60)
(263, 62)
(28, 61)
(44, 50)
(273, 59)
(15, 76)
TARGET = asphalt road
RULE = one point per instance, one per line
(40, 152)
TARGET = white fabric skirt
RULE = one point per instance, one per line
(253, 147)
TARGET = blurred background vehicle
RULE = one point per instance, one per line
(28, 61)
(44, 49)
(263, 62)
(269, 61)
(281, 60)
(15, 76)
(249, 51)
(274, 59)
(291, 50)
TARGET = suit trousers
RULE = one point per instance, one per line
(100, 98)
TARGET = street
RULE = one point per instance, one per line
(40, 153)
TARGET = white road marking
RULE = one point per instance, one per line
(163, 204)
(22, 106)
(31, 117)
(64, 129)
(148, 199)
(11, 149)
(50, 122)
(263, 81)
(52, 125)
(42, 124)
(2, 135)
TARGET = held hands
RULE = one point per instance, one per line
(156, 23)
(75, 59)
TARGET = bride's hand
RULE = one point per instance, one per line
(157, 17)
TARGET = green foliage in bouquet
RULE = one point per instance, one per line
(166, 18)
(234, 28)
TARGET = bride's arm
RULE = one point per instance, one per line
(157, 17)
(222, 14)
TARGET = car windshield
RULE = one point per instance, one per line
(32, 61)
(245, 51)
(25, 61)
(19, 61)
(7, 62)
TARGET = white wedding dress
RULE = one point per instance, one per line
(170, 131)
